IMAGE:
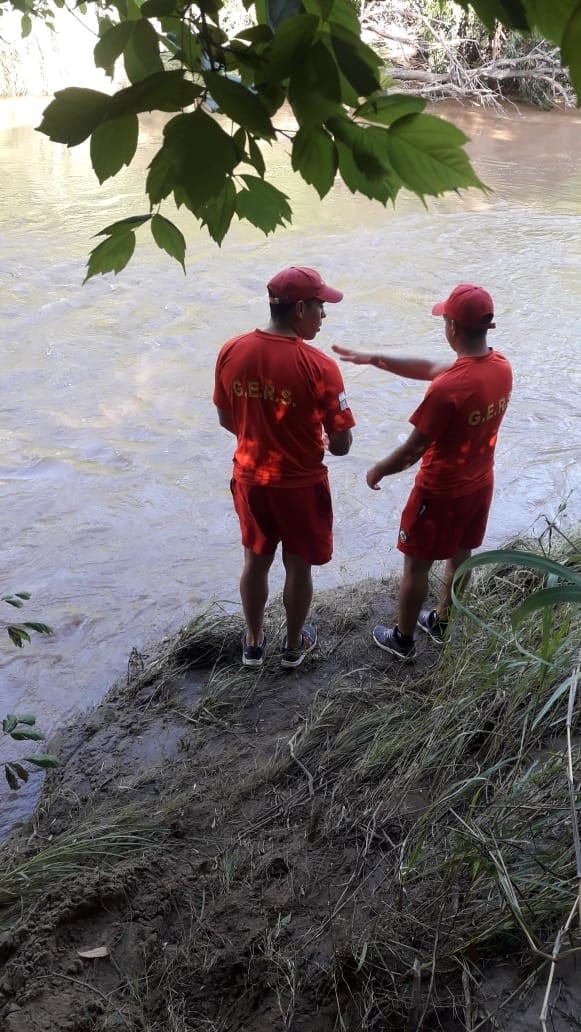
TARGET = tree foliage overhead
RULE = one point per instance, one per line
(222, 94)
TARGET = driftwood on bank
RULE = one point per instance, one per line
(482, 80)
(430, 58)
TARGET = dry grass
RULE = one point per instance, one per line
(419, 821)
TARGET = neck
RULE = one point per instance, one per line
(472, 349)
(281, 329)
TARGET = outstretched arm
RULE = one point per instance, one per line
(399, 459)
(412, 368)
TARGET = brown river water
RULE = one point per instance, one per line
(116, 512)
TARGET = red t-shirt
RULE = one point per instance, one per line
(461, 414)
(281, 393)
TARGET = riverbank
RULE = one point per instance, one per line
(355, 845)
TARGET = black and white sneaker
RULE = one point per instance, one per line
(391, 640)
(253, 655)
(294, 657)
(430, 623)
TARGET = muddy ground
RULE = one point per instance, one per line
(184, 840)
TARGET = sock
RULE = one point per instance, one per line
(405, 639)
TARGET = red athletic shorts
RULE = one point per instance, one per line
(299, 517)
(436, 526)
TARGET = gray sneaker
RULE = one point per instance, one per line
(429, 622)
(293, 657)
(391, 640)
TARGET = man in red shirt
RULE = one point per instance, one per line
(455, 433)
(283, 400)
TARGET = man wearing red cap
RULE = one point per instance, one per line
(283, 399)
(455, 433)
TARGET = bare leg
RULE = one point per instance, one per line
(412, 592)
(297, 596)
(445, 601)
(254, 593)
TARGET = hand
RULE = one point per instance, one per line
(325, 436)
(374, 475)
(347, 355)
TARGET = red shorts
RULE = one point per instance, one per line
(436, 526)
(299, 517)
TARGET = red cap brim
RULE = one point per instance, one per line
(329, 294)
(439, 308)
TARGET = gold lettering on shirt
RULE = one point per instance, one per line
(262, 391)
(496, 408)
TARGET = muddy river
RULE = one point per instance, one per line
(114, 473)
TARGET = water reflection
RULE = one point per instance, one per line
(116, 512)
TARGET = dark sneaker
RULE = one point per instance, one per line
(294, 657)
(430, 623)
(253, 655)
(391, 640)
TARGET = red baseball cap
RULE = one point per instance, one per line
(300, 284)
(470, 306)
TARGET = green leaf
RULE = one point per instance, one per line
(560, 690)
(545, 598)
(337, 12)
(202, 154)
(158, 8)
(26, 718)
(111, 45)
(382, 189)
(549, 18)
(510, 12)
(386, 110)
(124, 225)
(240, 104)
(141, 54)
(9, 723)
(169, 238)
(25, 25)
(256, 157)
(17, 636)
(73, 115)
(239, 138)
(262, 205)
(219, 212)
(290, 40)
(20, 770)
(11, 777)
(111, 255)
(161, 177)
(31, 735)
(342, 12)
(426, 153)
(13, 600)
(314, 155)
(183, 44)
(314, 91)
(571, 50)
(40, 628)
(514, 557)
(44, 760)
(368, 145)
(256, 34)
(113, 144)
(358, 62)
